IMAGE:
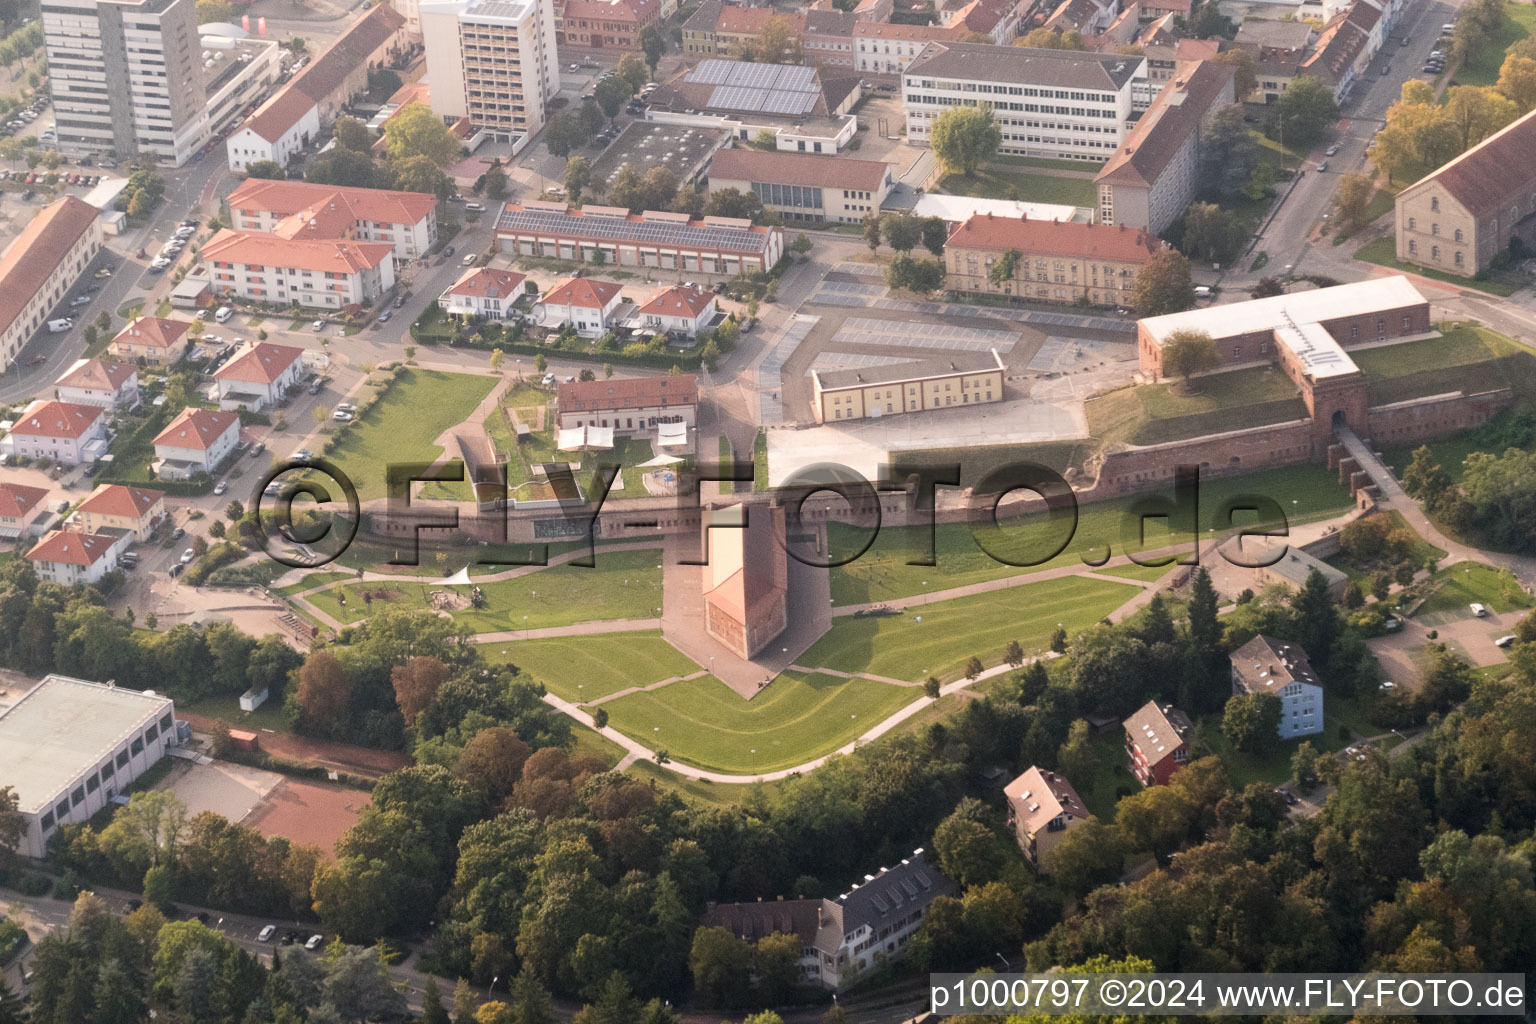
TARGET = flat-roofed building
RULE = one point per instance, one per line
(1042, 807)
(493, 62)
(804, 109)
(955, 210)
(68, 746)
(40, 266)
(655, 238)
(153, 339)
(1053, 261)
(134, 510)
(628, 405)
(1459, 217)
(746, 580)
(322, 274)
(802, 187)
(22, 510)
(1154, 175)
(299, 209)
(963, 379)
(1060, 104)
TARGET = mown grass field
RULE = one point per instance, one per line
(902, 647)
(998, 183)
(1383, 253)
(1466, 582)
(882, 572)
(797, 717)
(1156, 413)
(1467, 358)
(583, 668)
(623, 585)
(1482, 66)
(1132, 571)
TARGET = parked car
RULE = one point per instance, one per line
(265, 935)
(318, 325)
(399, 301)
(468, 260)
(1386, 684)
(1332, 150)
(1481, 611)
(187, 556)
(1322, 166)
(303, 454)
(178, 533)
(1287, 796)
(341, 416)
(386, 316)
(220, 487)
(1505, 641)
(449, 251)
(258, 448)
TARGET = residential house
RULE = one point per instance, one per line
(62, 431)
(1282, 669)
(604, 24)
(679, 309)
(22, 510)
(842, 939)
(258, 376)
(196, 441)
(137, 511)
(630, 405)
(802, 187)
(1278, 49)
(827, 39)
(69, 557)
(157, 341)
(1155, 174)
(298, 209)
(39, 267)
(325, 274)
(885, 49)
(483, 291)
(1344, 49)
(93, 382)
(1157, 742)
(1053, 261)
(1042, 808)
(1458, 217)
(585, 304)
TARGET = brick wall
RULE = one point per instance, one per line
(1433, 417)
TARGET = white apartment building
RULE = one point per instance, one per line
(884, 49)
(1267, 665)
(195, 442)
(259, 376)
(1058, 104)
(93, 382)
(326, 274)
(70, 557)
(300, 210)
(40, 265)
(492, 61)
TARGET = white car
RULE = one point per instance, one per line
(314, 942)
(1504, 641)
(1479, 610)
(341, 416)
(220, 487)
(187, 556)
(265, 935)
(318, 325)
(1387, 684)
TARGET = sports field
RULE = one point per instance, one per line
(705, 723)
(583, 668)
(902, 647)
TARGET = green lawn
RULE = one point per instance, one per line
(404, 424)
(1466, 582)
(624, 585)
(1482, 67)
(1467, 358)
(312, 580)
(701, 791)
(902, 647)
(705, 723)
(1132, 571)
(882, 572)
(1274, 767)
(998, 183)
(583, 668)
(1383, 253)
(268, 716)
(1156, 413)
(1111, 771)
(1090, 166)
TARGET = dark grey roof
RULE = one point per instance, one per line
(1267, 665)
(959, 362)
(891, 895)
(1023, 65)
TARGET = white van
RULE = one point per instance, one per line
(59, 326)
(1202, 292)
(224, 313)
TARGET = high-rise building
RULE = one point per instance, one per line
(492, 61)
(125, 77)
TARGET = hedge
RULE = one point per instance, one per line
(664, 361)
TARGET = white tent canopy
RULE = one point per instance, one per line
(660, 460)
(462, 576)
(670, 435)
(588, 438)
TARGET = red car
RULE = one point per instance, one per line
(73, 179)
(32, 178)
(37, 359)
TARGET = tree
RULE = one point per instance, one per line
(1189, 352)
(935, 234)
(932, 688)
(531, 1003)
(653, 46)
(872, 231)
(1302, 113)
(420, 174)
(1424, 478)
(577, 176)
(1351, 197)
(1013, 654)
(973, 667)
(1212, 234)
(268, 169)
(432, 1009)
(159, 890)
(903, 232)
(492, 762)
(1228, 150)
(1517, 81)
(589, 120)
(969, 850)
(1477, 112)
(611, 95)
(1251, 723)
(1163, 285)
(962, 137)
(340, 166)
(325, 690)
(1002, 270)
(1245, 77)
(416, 683)
(416, 131)
(801, 247)
(719, 962)
(1051, 39)
(464, 1003)
(13, 824)
(1317, 618)
(495, 181)
(922, 276)
(777, 42)
(562, 133)
(632, 69)
(1304, 766)
(352, 134)
(1501, 494)
(732, 202)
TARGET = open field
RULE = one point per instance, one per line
(582, 668)
(308, 813)
(1482, 66)
(1274, 766)
(1466, 582)
(312, 580)
(798, 717)
(1131, 571)
(623, 585)
(937, 639)
(997, 183)
(1468, 358)
(1155, 413)
(268, 716)
(881, 573)
(404, 425)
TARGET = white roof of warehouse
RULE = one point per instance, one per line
(1310, 307)
(959, 208)
(63, 728)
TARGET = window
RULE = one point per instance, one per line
(91, 784)
(1412, 224)
(137, 747)
(1434, 203)
(77, 797)
(122, 758)
(1458, 258)
(1434, 253)
(1458, 234)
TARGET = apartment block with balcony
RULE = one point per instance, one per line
(493, 62)
(321, 273)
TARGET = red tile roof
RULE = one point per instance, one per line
(582, 291)
(262, 363)
(71, 548)
(837, 172)
(97, 375)
(628, 393)
(18, 499)
(285, 198)
(34, 255)
(325, 255)
(679, 301)
(638, 12)
(197, 428)
(57, 419)
(277, 116)
(152, 332)
(117, 500)
(1491, 172)
(884, 30)
(487, 283)
(1054, 238)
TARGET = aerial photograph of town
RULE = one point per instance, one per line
(766, 511)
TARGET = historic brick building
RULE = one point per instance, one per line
(746, 583)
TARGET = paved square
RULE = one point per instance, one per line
(230, 790)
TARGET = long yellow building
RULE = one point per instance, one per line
(966, 378)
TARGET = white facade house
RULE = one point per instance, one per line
(69, 557)
(22, 510)
(324, 274)
(196, 441)
(300, 210)
(885, 49)
(259, 376)
(628, 405)
(278, 130)
(678, 309)
(587, 305)
(40, 266)
(1267, 665)
(484, 292)
(69, 746)
(1058, 104)
(93, 382)
(60, 431)
(493, 62)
